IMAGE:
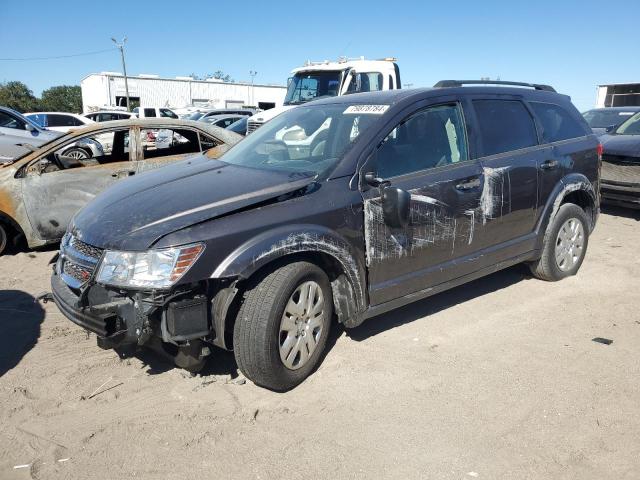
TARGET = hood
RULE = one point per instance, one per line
(267, 115)
(599, 130)
(624, 145)
(136, 212)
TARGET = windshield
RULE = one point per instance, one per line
(38, 118)
(306, 86)
(606, 118)
(239, 127)
(631, 126)
(305, 141)
(195, 116)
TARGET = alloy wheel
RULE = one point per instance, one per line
(301, 325)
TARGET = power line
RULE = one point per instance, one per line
(26, 59)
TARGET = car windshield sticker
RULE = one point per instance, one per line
(370, 109)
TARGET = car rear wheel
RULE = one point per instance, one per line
(565, 244)
(282, 326)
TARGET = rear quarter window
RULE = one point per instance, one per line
(557, 124)
(504, 126)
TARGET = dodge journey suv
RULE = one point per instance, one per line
(335, 211)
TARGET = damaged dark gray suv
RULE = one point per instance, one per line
(338, 210)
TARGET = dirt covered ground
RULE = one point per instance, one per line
(499, 378)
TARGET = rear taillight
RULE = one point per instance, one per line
(600, 150)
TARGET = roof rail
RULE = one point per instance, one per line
(459, 83)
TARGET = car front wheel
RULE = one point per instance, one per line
(282, 326)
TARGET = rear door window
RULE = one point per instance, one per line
(164, 142)
(556, 122)
(165, 112)
(149, 112)
(56, 120)
(504, 126)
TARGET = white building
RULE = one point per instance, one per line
(618, 95)
(107, 89)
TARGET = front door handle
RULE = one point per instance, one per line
(549, 165)
(468, 184)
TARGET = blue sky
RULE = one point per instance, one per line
(572, 45)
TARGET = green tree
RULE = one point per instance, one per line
(219, 74)
(63, 98)
(17, 95)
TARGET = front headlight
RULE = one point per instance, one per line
(151, 269)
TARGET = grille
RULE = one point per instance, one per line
(622, 174)
(252, 126)
(85, 248)
(78, 260)
(78, 272)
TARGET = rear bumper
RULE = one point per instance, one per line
(106, 321)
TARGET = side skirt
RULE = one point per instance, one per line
(407, 299)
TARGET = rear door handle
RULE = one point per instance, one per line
(468, 184)
(549, 165)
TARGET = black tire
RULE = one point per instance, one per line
(257, 331)
(4, 238)
(546, 267)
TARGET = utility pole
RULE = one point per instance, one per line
(253, 73)
(124, 68)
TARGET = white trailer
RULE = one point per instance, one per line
(107, 90)
(618, 95)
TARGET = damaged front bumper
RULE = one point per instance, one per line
(106, 320)
(132, 318)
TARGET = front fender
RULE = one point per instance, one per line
(290, 239)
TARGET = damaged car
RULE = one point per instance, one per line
(40, 191)
(407, 193)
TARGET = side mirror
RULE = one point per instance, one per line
(371, 179)
(395, 201)
(610, 128)
(28, 127)
(395, 206)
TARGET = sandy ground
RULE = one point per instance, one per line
(499, 378)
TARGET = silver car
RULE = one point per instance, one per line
(19, 135)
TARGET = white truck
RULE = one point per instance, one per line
(153, 112)
(329, 79)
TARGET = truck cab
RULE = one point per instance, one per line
(317, 80)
